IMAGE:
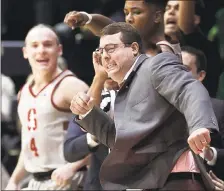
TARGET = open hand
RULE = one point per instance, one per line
(63, 175)
(97, 64)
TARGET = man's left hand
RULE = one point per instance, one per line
(199, 139)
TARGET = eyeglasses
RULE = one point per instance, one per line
(110, 48)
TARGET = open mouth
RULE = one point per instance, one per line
(43, 61)
(171, 22)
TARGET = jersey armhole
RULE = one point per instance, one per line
(19, 94)
(53, 92)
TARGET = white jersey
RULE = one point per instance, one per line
(42, 127)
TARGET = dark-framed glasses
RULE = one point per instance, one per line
(110, 48)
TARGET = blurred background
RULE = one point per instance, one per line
(19, 16)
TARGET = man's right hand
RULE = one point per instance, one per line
(81, 103)
(75, 19)
(12, 186)
(199, 139)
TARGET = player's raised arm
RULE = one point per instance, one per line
(187, 16)
(94, 22)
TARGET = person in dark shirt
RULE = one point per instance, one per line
(182, 21)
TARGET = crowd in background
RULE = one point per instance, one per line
(29, 13)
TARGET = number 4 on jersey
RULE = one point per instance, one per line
(33, 147)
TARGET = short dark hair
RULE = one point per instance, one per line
(201, 61)
(199, 7)
(161, 4)
(128, 33)
(48, 27)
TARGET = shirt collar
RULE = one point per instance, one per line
(130, 70)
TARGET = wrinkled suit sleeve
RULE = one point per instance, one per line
(98, 123)
(176, 84)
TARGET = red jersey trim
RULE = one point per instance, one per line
(56, 86)
(30, 86)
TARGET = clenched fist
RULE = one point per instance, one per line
(199, 139)
(76, 19)
(81, 103)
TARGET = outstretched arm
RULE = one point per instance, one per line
(94, 22)
(172, 80)
(186, 16)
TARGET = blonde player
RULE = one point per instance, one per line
(44, 114)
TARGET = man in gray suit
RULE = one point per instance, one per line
(156, 109)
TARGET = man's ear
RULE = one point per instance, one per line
(158, 17)
(60, 50)
(135, 48)
(201, 75)
(24, 52)
(197, 20)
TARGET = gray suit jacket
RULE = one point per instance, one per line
(155, 110)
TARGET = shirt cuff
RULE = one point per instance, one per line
(213, 161)
(82, 116)
(90, 141)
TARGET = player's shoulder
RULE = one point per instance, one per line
(71, 82)
(23, 89)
